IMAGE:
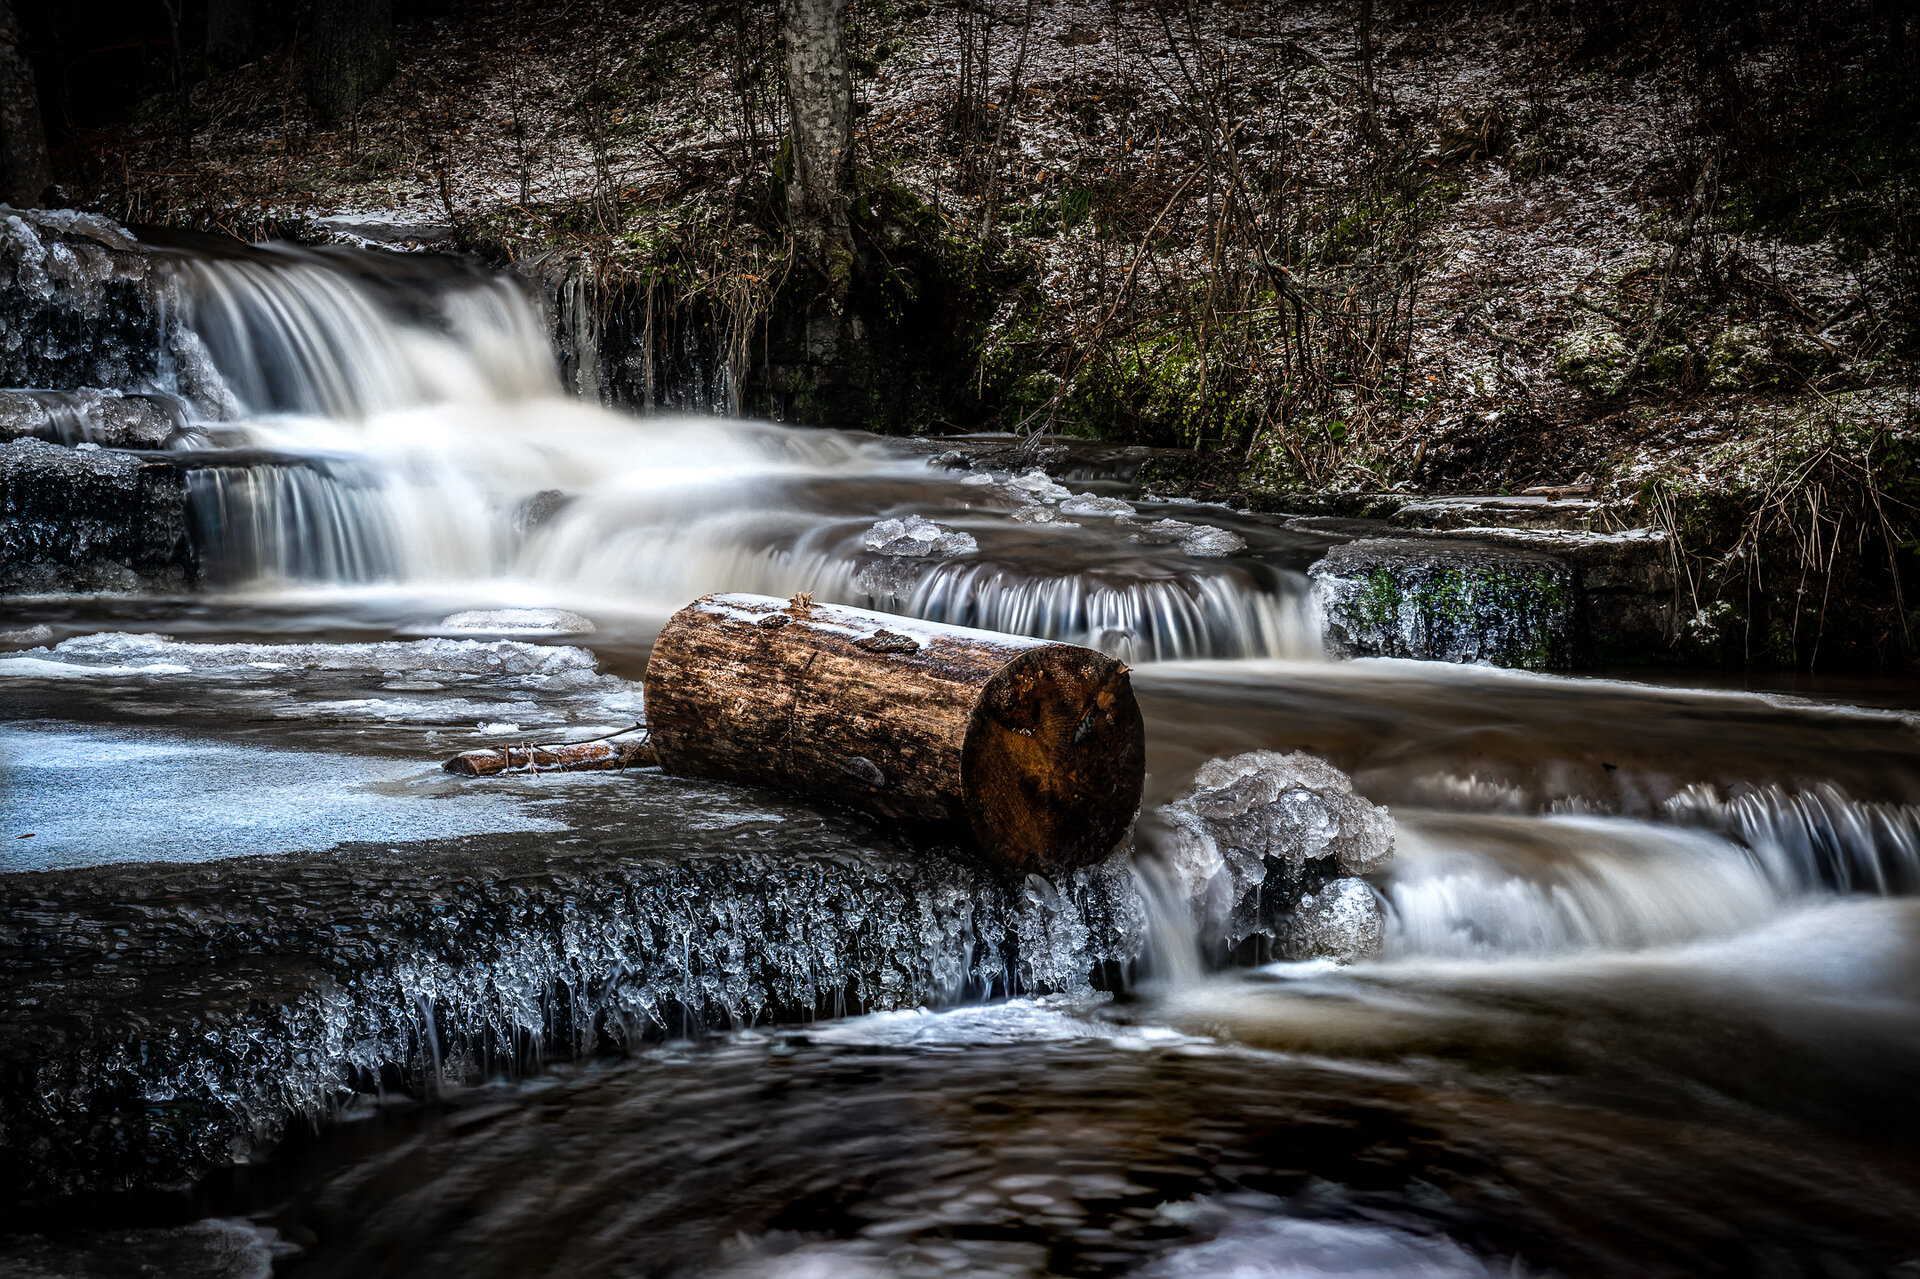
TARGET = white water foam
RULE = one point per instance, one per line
(1499, 886)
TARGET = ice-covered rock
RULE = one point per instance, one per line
(90, 520)
(444, 657)
(257, 993)
(1209, 541)
(1192, 539)
(890, 580)
(917, 537)
(519, 621)
(1342, 921)
(442, 683)
(1037, 485)
(91, 416)
(79, 304)
(1259, 843)
(1038, 514)
(1085, 505)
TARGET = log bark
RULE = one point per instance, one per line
(25, 171)
(556, 758)
(349, 56)
(820, 95)
(1029, 752)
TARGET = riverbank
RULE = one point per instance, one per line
(1487, 256)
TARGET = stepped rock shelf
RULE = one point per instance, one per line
(1032, 753)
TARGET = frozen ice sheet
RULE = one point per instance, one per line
(90, 796)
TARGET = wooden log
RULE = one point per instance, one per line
(556, 758)
(1027, 751)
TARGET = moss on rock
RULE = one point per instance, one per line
(1590, 358)
(1446, 600)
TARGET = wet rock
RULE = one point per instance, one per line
(1624, 583)
(216, 1248)
(539, 510)
(89, 415)
(1449, 600)
(1491, 512)
(1272, 844)
(164, 1020)
(90, 519)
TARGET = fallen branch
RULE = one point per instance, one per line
(559, 757)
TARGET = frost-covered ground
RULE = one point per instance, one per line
(1570, 184)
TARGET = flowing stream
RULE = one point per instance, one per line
(1647, 999)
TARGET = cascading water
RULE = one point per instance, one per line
(414, 439)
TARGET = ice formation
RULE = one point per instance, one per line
(1095, 506)
(451, 966)
(1037, 486)
(1193, 539)
(1275, 844)
(520, 621)
(439, 656)
(917, 537)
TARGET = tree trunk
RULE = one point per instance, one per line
(349, 55)
(1029, 752)
(820, 98)
(230, 32)
(25, 172)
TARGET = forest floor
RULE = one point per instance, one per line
(1472, 252)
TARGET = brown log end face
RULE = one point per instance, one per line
(1055, 760)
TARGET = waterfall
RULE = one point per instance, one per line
(402, 425)
(292, 333)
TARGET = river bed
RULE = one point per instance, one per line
(1647, 999)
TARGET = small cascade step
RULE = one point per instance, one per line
(165, 1020)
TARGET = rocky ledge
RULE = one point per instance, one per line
(90, 519)
(1446, 600)
(163, 1019)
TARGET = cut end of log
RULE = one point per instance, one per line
(1055, 760)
